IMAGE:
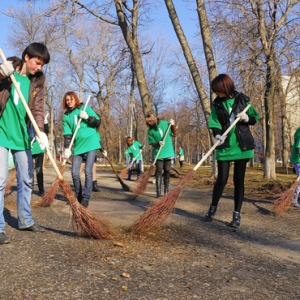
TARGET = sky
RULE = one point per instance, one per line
(163, 22)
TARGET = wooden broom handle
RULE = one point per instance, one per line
(76, 129)
(218, 141)
(34, 124)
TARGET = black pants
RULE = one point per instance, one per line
(163, 165)
(238, 180)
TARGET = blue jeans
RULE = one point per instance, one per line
(138, 165)
(297, 189)
(88, 171)
(24, 168)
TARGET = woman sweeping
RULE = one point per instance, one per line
(86, 142)
(237, 147)
(156, 132)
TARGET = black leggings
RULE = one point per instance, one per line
(238, 180)
(163, 165)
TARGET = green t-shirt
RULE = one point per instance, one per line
(156, 134)
(87, 137)
(234, 151)
(134, 150)
(36, 148)
(294, 156)
(13, 129)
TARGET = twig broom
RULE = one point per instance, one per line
(85, 222)
(143, 180)
(124, 185)
(49, 195)
(157, 213)
(124, 172)
(285, 199)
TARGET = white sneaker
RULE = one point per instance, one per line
(296, 204)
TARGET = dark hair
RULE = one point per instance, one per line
(223, 84)
(73, 95)
(37, 50)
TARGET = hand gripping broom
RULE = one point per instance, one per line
(49, 195)
(157, 213)
(143, 180)
(84, 221)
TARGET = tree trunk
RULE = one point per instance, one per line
(132, 43)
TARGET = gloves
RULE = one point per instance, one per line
(7, 68)
(104, 153)
(46, 118)
(67, 153)
(43, 141)
(141, 150)
(172, 122)
(244, 117)
(83, 115)
(161, 143)
(220, 138)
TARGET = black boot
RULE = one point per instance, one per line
(79, 196)
(236, 220)
(210, 213)
(85, 203)
(40, 182)
(158, 185)
(166, 184)
(95, 186)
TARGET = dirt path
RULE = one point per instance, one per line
(186, 259)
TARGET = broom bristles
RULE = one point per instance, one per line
(157, 213)
(285, 199)
(124, 172)
(85, 222)
(49, 195)
(141, 183)
(10, 182)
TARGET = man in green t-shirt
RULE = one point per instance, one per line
(160, 135)
(14, 128)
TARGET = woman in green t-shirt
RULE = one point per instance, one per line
(86, 142)
(237, 147)
(156, 133)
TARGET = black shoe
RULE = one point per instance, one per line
(85, 203)
(95, 186)
(236, 220)
(41, 193)
(34, 228)
(3, 238)
(210, 213)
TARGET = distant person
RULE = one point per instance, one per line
(14, 133)
(157, 130)
(295, 159)
(38, 155)
(134, 149)
(236, 147)
(181, 156)
(127, 157)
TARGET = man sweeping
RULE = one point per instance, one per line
(134, 149)
(14, 128)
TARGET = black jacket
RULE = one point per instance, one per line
(242, 130)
